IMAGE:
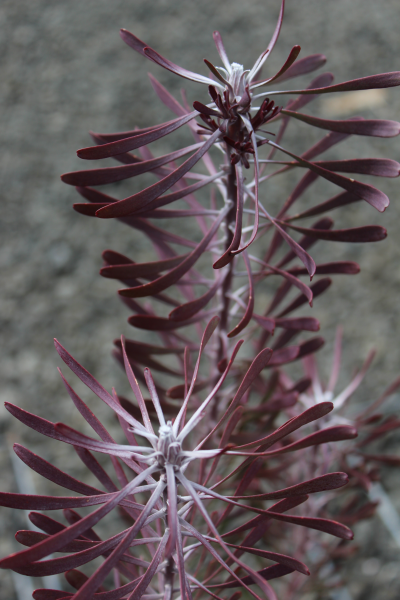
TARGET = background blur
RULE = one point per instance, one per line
(64, 70)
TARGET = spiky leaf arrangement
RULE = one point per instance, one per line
(191, 547)
(207, 456)
(239, 138)
(361, 460)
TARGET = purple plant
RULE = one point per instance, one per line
(224, 440)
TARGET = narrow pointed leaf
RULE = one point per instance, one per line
(113, 174)
(295, 51)
(344, 267)
(373, 127)
(141, 269)
(373, 196)
(308, 416)
(131, 143)
(221, 49)
(165, 281)
(372, 82)
(128, 205)
(368, 233)
(303, 66)
(331, 481)
(234, 245)
(379, 167)
(245, 320)
(188, 310)
(263, 56)
(317, 288)
(170, 66)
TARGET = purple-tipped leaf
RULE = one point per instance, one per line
(136, 141)
(372, 127)
(170, 66)
(245, 320)
(368, 233)
(370, 194)
(344, 267)
(372, 82)
(128, 205)
(303, 66)
(113, 174)
(295, 51)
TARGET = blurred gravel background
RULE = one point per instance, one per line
(64, 70)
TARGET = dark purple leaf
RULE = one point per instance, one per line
(325, 525)
(150, 323)
(203, 109)
(284, 356)
(136, 141)
(170, 66)
(166, 98)
(293, 54)
(27, 502)
(342, 266)
(307, 242)
(128, 205)
(268, 573)
(245, 320)
(177, 392)
(94, 466)
(302, 323)
(373, 196)
(126, 271)
(182, 193)
(47, 470)
(305, 258)
(266, 323)
(379, 167)
(317, 288)
(303, 66)
(165, 281)
(368, 233)
(59, 540)
(263, 56)
(294, 281)
(342, 199)
(322, 80)
(113, 174)
(336, 433)
(45, 594)
(188, 310)
(373, 127)
(331, 481)
(89, 210)
(280, 558)
(310, 346)
(280, 507)
(308, 416)
(45, 523)
(372, 82)
(146, 349)
(235, 242)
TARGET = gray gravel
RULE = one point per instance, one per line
(65, 71)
